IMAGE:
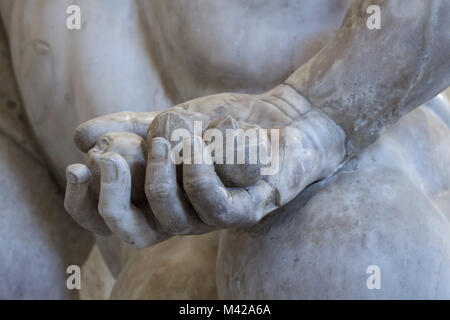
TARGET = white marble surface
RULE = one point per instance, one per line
(123, 60)
(390, 208)
(38, 240)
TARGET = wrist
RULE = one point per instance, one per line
(311, 141)
(289, 101)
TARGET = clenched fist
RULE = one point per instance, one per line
(189, 185)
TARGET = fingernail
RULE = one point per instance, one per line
(71, 178)
(77, 173)
(108, 170)
(102, 144)
(159, 150)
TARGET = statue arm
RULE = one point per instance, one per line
(366, 79)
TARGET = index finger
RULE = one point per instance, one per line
(87, 133)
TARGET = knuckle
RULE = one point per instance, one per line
(198, 184)
(158, 191)
(81, 138)
(110, 211)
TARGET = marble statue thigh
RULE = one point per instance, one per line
(180, 268)
(389, 207)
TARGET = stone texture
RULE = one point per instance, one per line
(389, 207)
(38, 240)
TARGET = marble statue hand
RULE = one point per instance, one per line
(88, 133)
(106, 193)
(307, 146)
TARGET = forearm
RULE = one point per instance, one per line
(366, 79)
